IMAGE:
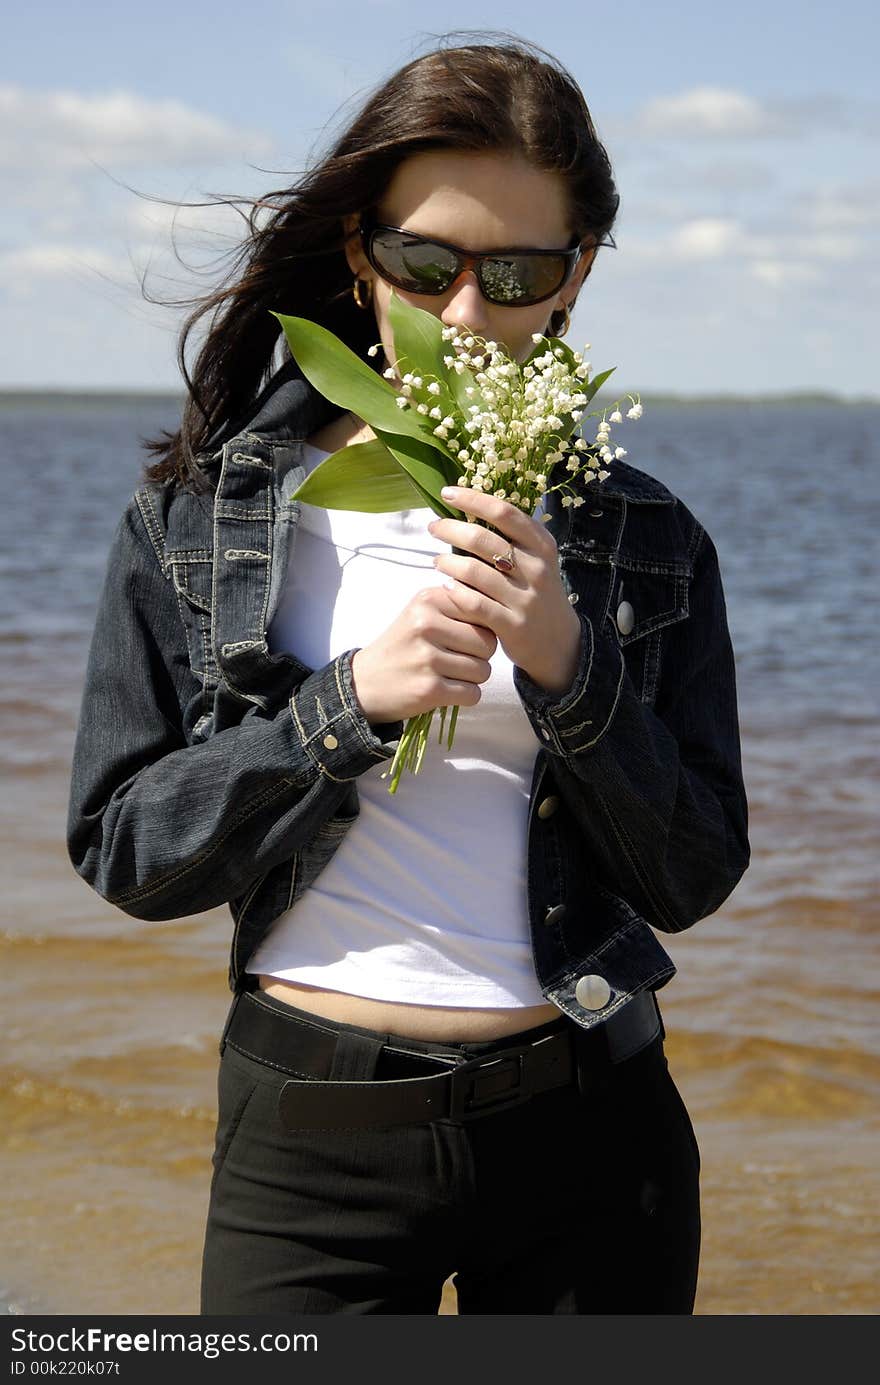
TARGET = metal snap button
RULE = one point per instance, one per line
(545, 733)
(626, 618)
(330, 742)
(593, 992)
(554, 914)
(547, 807)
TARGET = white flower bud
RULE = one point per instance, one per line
(635, 411)
(373, 351)
(388, 374)
(401, 403)
(434, 387)
(616, 417)
(619, 454)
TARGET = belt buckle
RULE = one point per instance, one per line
(475, 1090)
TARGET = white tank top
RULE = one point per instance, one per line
(425, 899)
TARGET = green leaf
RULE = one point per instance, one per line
(363, 476)
(418, 339)
(597, 382)
(344, 379)
(427, 468)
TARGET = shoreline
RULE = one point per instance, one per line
(108, 397)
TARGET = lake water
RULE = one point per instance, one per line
(110, 1026)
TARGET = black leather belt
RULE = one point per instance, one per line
(407, 1086)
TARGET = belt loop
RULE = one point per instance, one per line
(659, 1014)
(232, 1009)
(592, 1058)
(355, 1057)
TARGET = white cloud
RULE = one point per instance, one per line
(217, 223)
(23, 272)
(709, 112)
(841, 208)
(779, 273)
(66, 130)
(707, 238)
(703, 111)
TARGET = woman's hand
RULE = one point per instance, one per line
(431, 656)
(527, 609)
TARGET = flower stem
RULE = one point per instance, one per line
(413, 743)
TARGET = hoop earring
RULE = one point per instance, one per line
(563, 327)
(362, 292)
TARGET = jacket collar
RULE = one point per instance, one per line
(288, 409)
(630, 484)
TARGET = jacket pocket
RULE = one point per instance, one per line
(632, 600)
(192, 574)
(319, 850)
(645, 601)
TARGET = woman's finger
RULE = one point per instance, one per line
(478, 574)
(503, 517)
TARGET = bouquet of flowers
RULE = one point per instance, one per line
(456, 410)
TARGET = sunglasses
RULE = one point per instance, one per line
(512, 278)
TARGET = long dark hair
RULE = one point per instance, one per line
(506, 96)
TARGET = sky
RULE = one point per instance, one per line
(743, 140)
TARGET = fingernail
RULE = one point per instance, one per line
(448, 492)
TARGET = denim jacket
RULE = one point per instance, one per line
(208, 770)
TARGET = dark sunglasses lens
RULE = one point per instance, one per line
(413, 264)
(522, 279)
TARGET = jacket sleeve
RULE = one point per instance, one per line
(163, 828)
(657, 793)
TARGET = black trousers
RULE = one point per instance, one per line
(581, 1200)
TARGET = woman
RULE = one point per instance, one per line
(444, 1054)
